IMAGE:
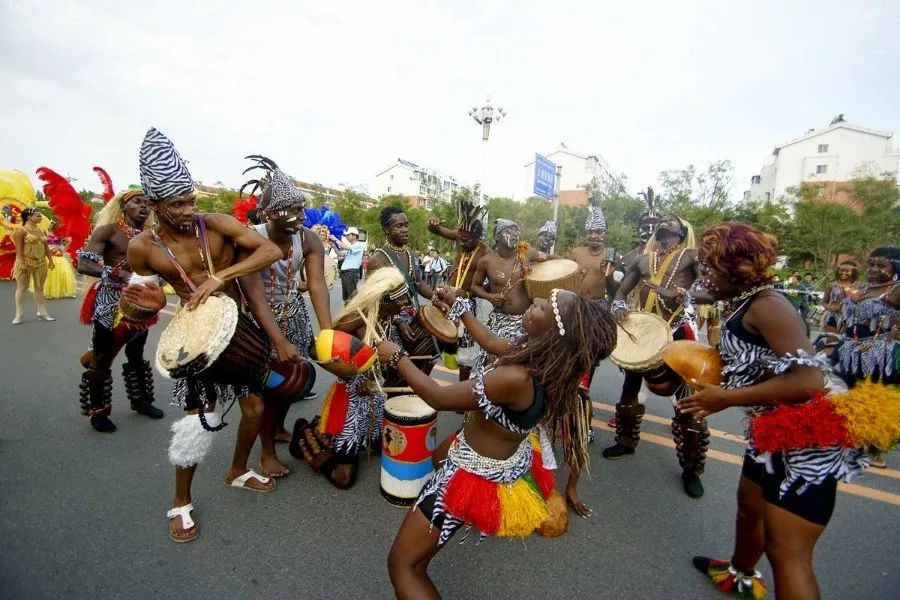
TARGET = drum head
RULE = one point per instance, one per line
(552, 270)
(639, 340)
(407, 407)
(202, 333)
(437, 324)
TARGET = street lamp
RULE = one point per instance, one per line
(486, 115)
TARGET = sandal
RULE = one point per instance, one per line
(189, 531)
(241, 482)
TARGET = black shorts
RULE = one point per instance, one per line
(815, 504)
(426, 506)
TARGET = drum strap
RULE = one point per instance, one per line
(407, 273)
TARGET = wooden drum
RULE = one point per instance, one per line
(562, 273)
(437, 324)
(408, 440)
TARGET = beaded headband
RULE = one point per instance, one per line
(398, 293)
(555, 303)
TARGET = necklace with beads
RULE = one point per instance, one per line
(750, 292)
(127, 230)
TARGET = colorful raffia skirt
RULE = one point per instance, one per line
(353, 413)
(506, 498)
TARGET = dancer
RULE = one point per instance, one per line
(785, 499)
(105, 257)
(197, 254)
(353, 410)
(837, 291)
(470, 248)
(666, 270)
(281, 203)
(546, 237)
(60, 282)
(500, 279)
(493, 475)
(33, 259)
(394, 253)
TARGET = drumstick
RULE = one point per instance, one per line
(379, 335)
(396, 390)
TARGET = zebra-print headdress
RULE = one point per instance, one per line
(164, 173)
(278, 191)
(548, 227)
(596, 221)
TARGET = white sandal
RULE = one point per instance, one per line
(45, 317)
(241, 482)
(187, 523)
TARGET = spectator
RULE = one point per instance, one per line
(351, 266)
(436, 269)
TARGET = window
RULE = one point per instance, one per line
(389, 189)
(821, 169)
(823, 148)
(755, 180)
(392, 176)
(422, 190)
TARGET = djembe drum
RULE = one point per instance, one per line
(693, 361)
(640, 338)
(408, 440)
(437, 324)
(342, 354)
(226, 346)
(563, 274)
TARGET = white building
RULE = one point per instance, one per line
(577, 171)
(421, 185)
(836, 154)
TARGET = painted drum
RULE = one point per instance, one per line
(408, 440)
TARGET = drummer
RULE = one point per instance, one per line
(470, 248)
(546, 237)
(596, 269)
(500, 279)
(662, 274)
(394, 253)
(197, 254)
(281, 205)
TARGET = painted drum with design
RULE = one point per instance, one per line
(408, 440)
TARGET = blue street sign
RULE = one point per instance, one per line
(544, 177)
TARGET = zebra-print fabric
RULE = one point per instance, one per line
(164, 173)
(745, 363)
(280, 193)
(462, 456)
(502, 325)
(365, 417)
(106, 304)
(491, 411)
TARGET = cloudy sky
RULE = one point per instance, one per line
(335, 91)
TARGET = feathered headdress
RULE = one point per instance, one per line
(650, 198)
(327, 218)
(278, 191)
(470, 214)
(73, 214)
(243, 206)
(106, 180)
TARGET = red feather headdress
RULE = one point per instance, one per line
(73, 214)
(105, 179)
(242, 206)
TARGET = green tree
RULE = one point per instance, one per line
(700, 197)
(879, 199)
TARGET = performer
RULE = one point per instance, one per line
(60, 282)
(500, 279)
(33, 258)
(105, 257)
(596, 267)
(394, 253)
(492, 475)
(302, 253)
(871, 319)
(785, 499)
(666, 270)
(197, 254)
(470, 249)
(353, 410)
(837, 291)
(546, 237)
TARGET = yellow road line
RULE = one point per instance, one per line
(890, 473)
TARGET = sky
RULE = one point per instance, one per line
(335, 91)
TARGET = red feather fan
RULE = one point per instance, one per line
(242, 206)
(105, 179)
(72, 213)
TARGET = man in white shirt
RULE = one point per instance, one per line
(436, 268)
(350, 268)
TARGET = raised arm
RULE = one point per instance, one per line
(435, 227)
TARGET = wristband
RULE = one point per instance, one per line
(396, 357)
(619, 305)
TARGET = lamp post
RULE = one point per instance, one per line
(485, 116)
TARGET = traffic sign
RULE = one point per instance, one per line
(544, 177)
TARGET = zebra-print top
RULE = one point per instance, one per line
(747, 358)
(493, 412)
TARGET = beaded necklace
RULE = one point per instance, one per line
(127, 230)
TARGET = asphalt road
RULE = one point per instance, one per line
(84, 513)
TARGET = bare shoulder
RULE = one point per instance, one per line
(769, 307)
(508, 385)
(222, 223)
(103, 233)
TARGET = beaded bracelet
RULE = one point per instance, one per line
(396, 357)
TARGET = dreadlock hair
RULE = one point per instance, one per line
(559, 361)
(387, 213)
(368, 298)
(891, 253)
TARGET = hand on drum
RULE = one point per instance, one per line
(445, 297)
(620, 314)
(204, 291)
(406, 332)
(286, 352)
(147, 295)
(706, 400)
(386, 349)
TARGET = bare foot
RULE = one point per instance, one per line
(177, 530)
(271, 466)
(253, 483)
(343, 476)
(580, 508)
(282, 436)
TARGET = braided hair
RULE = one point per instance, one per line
(387, 213)
(559, 361)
